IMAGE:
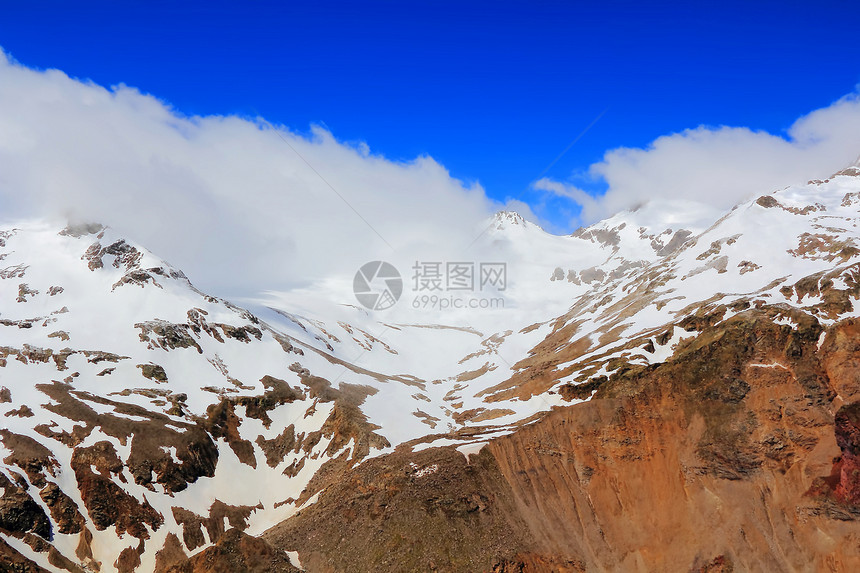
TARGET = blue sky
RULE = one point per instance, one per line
(493, 91)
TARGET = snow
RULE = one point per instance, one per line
(772, 365)
(469, 450)
(294, 559)
(635, 276)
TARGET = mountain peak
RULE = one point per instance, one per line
(509, 218)
(155, 385)
(852, 170)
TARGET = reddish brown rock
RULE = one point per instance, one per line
(170, 555)
(237, 552)
(63, 510)
(12, 561)
(108, 504)
(148, 432)
(33, 458)
(193, 524)
(129, 559)
(701, 463)
(19, 513)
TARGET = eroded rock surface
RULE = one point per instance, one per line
(728, 436)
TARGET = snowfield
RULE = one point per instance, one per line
(119, 378)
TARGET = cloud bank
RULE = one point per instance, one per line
(234, 202)
(720, 166)
(243, 206)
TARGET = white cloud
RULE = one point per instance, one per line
(223, 198)
(721, 166)
(228, 201)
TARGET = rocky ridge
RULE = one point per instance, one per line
(701, 377)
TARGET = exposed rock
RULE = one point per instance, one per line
(19, 513)
(278, 447)
(717, 246)
(719, 264)
(162, 334)
(61, 334)
(852, 171)
(453, 519)
(64, 512)
(678, 240)
(726, 437)
(346, 422)
(193, 524)
(124, 255)
(592, 274)
(153, 372)
(108, 504)
(826, 247)
(843, 483)
(12, 561)
(148, 431)
(719, 564)
(235, 552)
(23, 412)
(476, 415)
(13, 272)
(748, 267)
(169, 336)
(277, 392)
(583, 391)
(136, 277)
(602, 236)
(767, 201)
(33, 458)
(170, 555)
(57, 560)
(24, 291)
(528, 563)
(129, 559)
(222, 422)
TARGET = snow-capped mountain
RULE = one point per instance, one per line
(142, 418)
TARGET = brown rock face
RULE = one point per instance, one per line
(706, 463)
(848, 438)
(424, 511)
(128, 560)
(171, 554)
(32, 457)
(19, 513)
(193, 524)
(63, 510)
(107, 504)
(843, 484)
(13, 562)
(235, 552)
(197, 454)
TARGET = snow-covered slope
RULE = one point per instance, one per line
(123, 382)
(143, 416)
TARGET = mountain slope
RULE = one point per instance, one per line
(719, 459)
(150, 427)
(721, 371)
(132, 403)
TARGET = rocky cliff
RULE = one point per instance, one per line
(737, 453)
(656, 399)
